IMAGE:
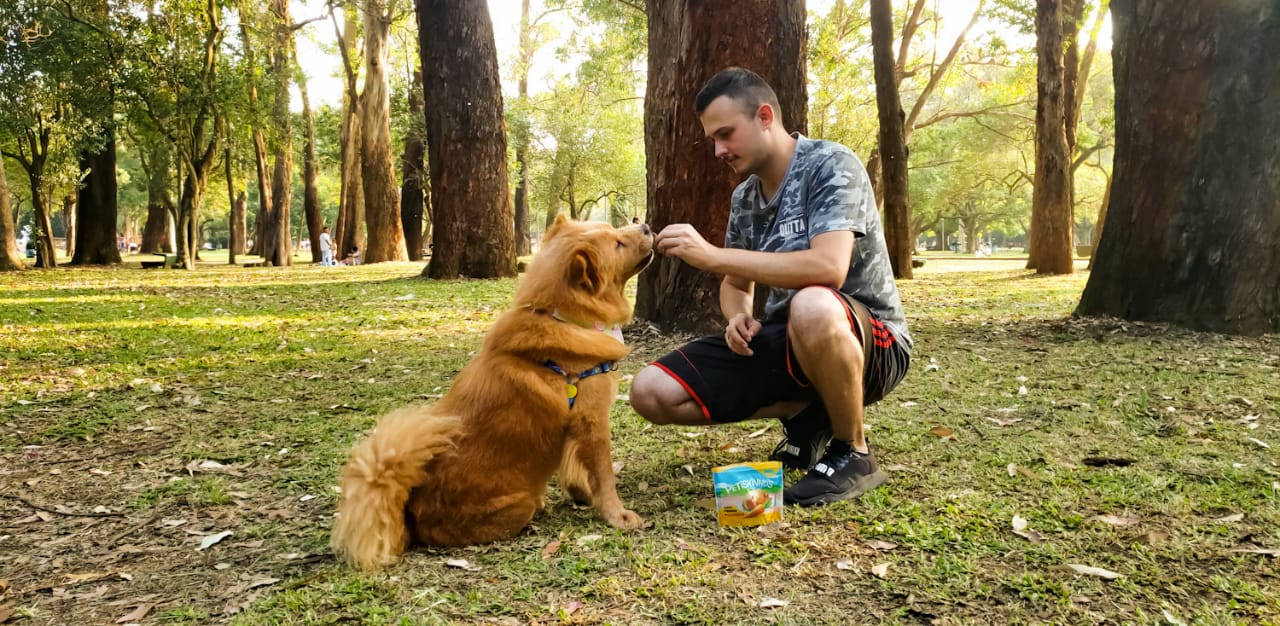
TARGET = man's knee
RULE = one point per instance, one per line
(654, 395)
(816, 315)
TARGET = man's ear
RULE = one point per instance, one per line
(765, 114)
(584, 270)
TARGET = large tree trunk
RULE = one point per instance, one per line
(348, 231)
(466, 143)
(381, 194)
(413, 179)
(157, 234)
(10, 256)
(893, 142)
(689, 41)
(95, 234)
(524, 243)
(278, 245)
(1052, 250)
(310, 193)
(1193, 231)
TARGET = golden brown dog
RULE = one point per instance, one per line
(473, 467)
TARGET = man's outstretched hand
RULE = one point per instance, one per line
(684, 242)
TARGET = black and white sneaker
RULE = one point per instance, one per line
(806, 436)
(841, 474)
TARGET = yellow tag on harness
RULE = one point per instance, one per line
(572, 390)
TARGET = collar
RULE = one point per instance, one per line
(614, 331)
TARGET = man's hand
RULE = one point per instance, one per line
(684, 242)
(738, 334)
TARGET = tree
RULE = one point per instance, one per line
(381, 193)
(95, 205)
(311, 194)
(183, 91)
(157, 164)
(893, 142)
(414, 175)
(688, 42)
(10, 256)
(349, 227)
(466, 145)
(1192, 230)
(1052, 249)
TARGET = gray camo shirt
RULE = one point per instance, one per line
(825, 189)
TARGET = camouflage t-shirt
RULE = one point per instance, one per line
(825, 189)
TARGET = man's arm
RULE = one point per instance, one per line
(826, 262)
(737, 297)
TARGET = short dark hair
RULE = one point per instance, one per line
(742, 85)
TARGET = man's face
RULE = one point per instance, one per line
(737, 133)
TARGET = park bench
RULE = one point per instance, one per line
(168, 261)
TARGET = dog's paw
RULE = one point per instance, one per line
(624, 518)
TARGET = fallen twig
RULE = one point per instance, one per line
(56, 511)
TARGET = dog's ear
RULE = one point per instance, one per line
(584, 270)
(561, 220)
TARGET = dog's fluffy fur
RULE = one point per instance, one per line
(473, 467)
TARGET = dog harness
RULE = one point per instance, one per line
(571, 381)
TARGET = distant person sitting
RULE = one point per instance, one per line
(352, 257)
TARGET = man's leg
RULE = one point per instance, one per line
(662, 400)
(832, 356)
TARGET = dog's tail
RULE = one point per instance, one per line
(370, 531)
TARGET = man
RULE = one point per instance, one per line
(834, 337)
(326, 247)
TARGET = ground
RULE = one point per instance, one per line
(146, 414)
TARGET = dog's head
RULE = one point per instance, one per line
(582, 268)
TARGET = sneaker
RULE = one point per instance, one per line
(807, 435)
(841, 474)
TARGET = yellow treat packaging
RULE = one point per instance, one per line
(748, 494)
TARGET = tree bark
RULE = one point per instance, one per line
(381, 193)
(261, 167)
(689, 41)
(69, 225)
(466, 142)
(893, 142)
(1052, 249)
(157, 233)
(95, 234)
(1193, 231)
(1102, 219)
(349, 229)
(310, 193)
(278, 241)
(524, 243)
(10, 256)
(413, 179)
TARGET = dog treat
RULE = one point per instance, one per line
(748, 494)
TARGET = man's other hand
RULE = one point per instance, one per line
(739, 333)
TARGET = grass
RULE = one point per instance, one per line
(186, 404)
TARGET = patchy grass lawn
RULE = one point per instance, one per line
(145, 413)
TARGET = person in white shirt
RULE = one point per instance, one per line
(326, 247)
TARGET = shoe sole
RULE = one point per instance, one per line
(860, 486)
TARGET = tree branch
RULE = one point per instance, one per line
(991, 110)
(940, 71)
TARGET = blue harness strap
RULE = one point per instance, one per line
(571, 381)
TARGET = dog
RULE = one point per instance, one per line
(473, 467)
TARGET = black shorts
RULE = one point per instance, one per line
(730, 387)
